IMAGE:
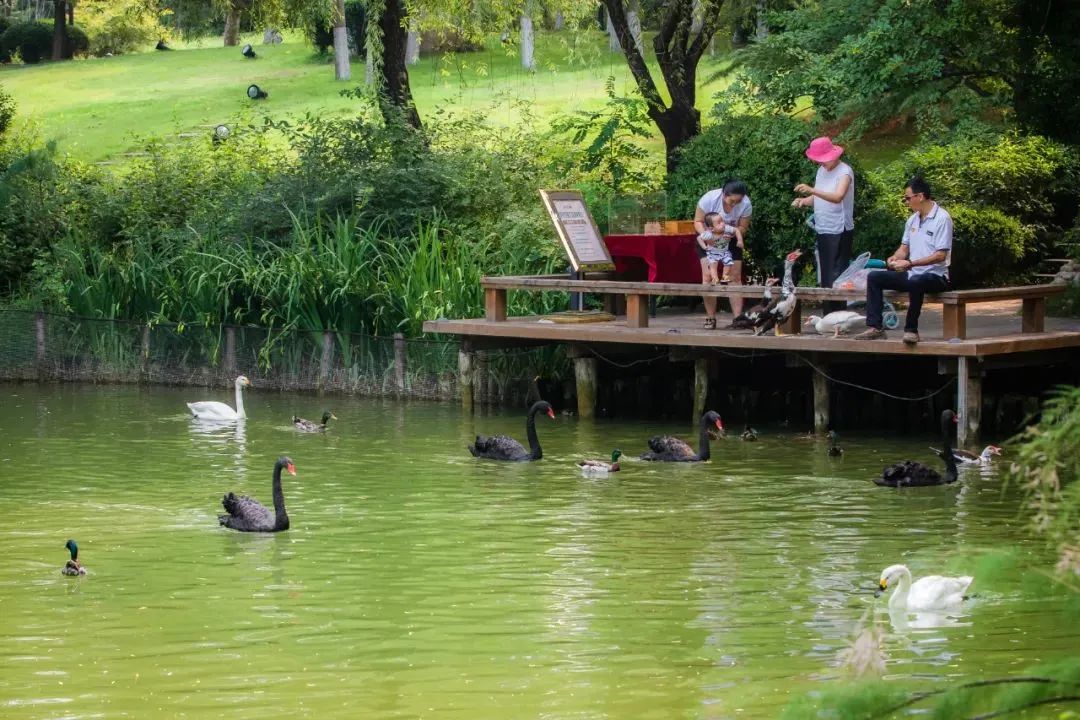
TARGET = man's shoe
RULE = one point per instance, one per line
(871, 334)
(911, 337)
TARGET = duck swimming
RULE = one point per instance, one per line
(665, 448)
(912, 474)
(73, 567)
(592, 468)
(502, 447)
(749, 434)
(834, 449)
(248, 515)
(933, 592)
(308, 426)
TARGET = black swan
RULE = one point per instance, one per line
(308, 426)
(247, 515)
(910, 473)
(501, 447)
(669, 449)
(73, 567)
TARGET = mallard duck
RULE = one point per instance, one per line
(73, 567)
(834, 449)
(248, 514)
(749, 434)
(671, 449)
(501, 447)
(910, 473)
(213, 410)
(601, 467)
(933, 592)
(308, 426)
(778, 313)
(836, 323)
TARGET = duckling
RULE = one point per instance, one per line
(834, 449)
(749, 434)
(308, 426)
(73, 567)
(601, 467)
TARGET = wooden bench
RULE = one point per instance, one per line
(954, 302)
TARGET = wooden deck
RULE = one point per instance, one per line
(992, 329)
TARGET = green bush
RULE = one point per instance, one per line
(7, 110)
(33, 41)
(118, 26)
(765, 152)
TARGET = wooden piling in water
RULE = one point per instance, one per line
(399, 363)
(701, 389)
(821, 397)
(327, 359)
(39, 327)
(465, 376)
(968, 401)
(230, 350)
(585, 378)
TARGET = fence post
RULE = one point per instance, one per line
(230, 349)
(39, 324)
(327, 357)
(145, 359)
(399, 362)
(465, 376)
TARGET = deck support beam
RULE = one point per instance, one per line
(821, 397)
(465, 376)
(968, 401)
(585, 377)
(701, 388)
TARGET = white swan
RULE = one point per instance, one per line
(212, 410)
(836, 323)
(932, 592)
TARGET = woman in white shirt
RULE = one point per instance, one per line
(833, 200)
(733, 205)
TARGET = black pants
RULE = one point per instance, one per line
(833, 255)
(916, 285)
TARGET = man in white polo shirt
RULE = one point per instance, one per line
(920, 265)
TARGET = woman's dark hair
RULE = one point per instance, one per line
(918, 185)
(735, 187)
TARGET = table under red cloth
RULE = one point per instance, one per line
(666, 258)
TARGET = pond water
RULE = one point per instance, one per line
(416, 581)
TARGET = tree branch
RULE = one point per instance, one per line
(646, 86)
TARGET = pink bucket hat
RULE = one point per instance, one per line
(822, 150)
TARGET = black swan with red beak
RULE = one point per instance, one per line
(502, 447)
(248, 515)
(665, 448)
(914, 474)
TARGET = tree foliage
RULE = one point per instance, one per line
(873, 60)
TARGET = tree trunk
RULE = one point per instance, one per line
(71, 13)
(232, 25)
(342, 71)
(762, 29)
(633, 18)
(396, 91)
(528, 59)
(60, 39)
(678, 52)
(412, 48)
(613, 37)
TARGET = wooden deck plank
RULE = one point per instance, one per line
(990, 332)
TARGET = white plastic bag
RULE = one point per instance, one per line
(854, 277)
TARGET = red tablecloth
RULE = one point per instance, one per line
(666, 258)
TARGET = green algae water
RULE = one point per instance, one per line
(416, 581)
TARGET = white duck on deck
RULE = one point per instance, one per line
(836, 323)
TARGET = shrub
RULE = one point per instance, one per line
(33, 41)
(118, 26)
(7, 110)
(766, 152)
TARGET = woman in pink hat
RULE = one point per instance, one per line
(833, 200)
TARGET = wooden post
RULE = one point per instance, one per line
(968, 402)
(479, 378)
(1034, 314)
(144, 359)
(793, 325)
(494, 304)
(637, 311)
(230, 349)
(325, 363)
(465, 377)
(39, 326)
(954, 321)
(821, 398)
(585, 376)
(399, 362)
(701, 388)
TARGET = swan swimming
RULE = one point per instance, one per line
(213, 410)
(932, 592)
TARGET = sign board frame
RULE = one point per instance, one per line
(577, 230)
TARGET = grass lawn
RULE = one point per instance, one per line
(99, 108)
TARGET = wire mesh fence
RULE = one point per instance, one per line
(44, 346)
